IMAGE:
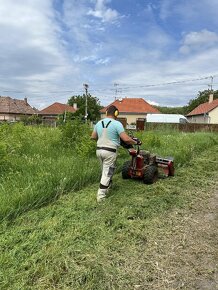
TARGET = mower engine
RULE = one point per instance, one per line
(147, 166)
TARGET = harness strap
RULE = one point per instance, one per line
(106, 125)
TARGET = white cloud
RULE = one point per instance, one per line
(103, 12)
(48, 54)
(29, 40)
(152, 103)
(196, 41)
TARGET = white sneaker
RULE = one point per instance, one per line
(101, 195)
(100, 199)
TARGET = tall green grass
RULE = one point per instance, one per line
(182, 146)
(39, 164)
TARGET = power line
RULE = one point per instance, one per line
(170, 83)
(125, 87)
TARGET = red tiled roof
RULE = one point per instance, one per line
(132, 105)
(14, 106)
(57, 109)
(204, 108)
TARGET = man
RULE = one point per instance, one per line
(108, 133)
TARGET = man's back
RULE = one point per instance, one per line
(114, 128)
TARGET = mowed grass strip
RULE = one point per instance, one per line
(76, 243)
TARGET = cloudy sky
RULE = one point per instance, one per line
(164, 51)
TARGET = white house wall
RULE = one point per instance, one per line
(213, 115)
(199, 119)
(6, 117)
(9, 117)
(130, 118)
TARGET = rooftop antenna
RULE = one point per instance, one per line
(211, 91)
(116, 90)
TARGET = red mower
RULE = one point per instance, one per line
(147, 166)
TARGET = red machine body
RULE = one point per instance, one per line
(147, 166)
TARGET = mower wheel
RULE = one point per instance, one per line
(150, 174)
(125, 170)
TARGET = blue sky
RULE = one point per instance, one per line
(164, 51)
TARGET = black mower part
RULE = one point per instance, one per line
(125, 170)
(150, 174)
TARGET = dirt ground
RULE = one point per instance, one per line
(188, 254)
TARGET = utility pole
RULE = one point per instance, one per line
(116, 90)
(211, 91)
(86, 103)
(211, 84)
(65, 116)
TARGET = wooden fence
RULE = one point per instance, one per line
(188, 127)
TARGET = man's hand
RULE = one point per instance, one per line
(138, 142)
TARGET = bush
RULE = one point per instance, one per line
(76, 135)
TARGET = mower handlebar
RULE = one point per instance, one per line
(137, 140)
(129, 146)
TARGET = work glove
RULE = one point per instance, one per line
(137, 140)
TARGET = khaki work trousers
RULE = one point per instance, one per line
(107, 160)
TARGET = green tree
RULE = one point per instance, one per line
(93, 106)
(172, 110)
(202, 97)
(31, 120)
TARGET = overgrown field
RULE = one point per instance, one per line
(75, 243)
(38, 164)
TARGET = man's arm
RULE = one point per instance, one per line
(94, 135)
(127, 139)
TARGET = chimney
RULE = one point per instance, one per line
(25, 100)
(210, 98)
(75, 106)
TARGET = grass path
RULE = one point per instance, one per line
(186, 252)
(161, 236)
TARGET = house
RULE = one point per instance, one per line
(50, 114)
(131, 110)
(13, 109)
(206, 113)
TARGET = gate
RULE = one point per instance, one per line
(140, 124)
